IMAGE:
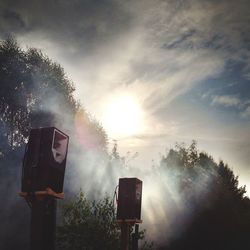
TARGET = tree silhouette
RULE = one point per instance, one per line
(220, 209)
(88, 225)
(34, 92)
(13, 101)
(30, 82)
(91, 225)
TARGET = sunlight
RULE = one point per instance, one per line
(122, 116)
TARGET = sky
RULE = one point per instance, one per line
(178, 70)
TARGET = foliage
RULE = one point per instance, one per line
(220, 217)
(118, 160)
(35, 92)
(30, 82)
(14, 79)
(88, 225)
(91, 225)
(146, 245)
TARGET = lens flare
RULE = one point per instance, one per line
(85, 132)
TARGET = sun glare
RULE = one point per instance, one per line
(122, 116)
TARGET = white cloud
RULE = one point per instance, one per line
(158, 49)
(233, 101)
(227, 101)
(246, 113)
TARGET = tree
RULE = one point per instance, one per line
(217, 209)
(91, 225)
(13, 93)
(88, 225)
(29, 83)
(34, 92)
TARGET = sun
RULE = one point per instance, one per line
(122, 116)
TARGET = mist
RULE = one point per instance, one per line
(187, 63)
(170, 195)
(167, 207)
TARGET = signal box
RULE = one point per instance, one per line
(45, 160)
(129, 199)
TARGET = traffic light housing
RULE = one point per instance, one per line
(45, 160)
(129, 199)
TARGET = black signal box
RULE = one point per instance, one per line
(129, 199)
(45, 160)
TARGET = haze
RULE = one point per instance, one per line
(179, 70)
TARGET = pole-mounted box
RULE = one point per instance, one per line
(129, 199)
(45, 160)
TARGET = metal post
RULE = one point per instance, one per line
(125, 236)
(135, 238)
(43, 224)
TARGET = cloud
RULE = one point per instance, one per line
(83, 25)
(233, 101)
(227, 101)
(246, 113)
(162, 48)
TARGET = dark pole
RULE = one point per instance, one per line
(43, 223)
(135, 237)
(124, 235)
